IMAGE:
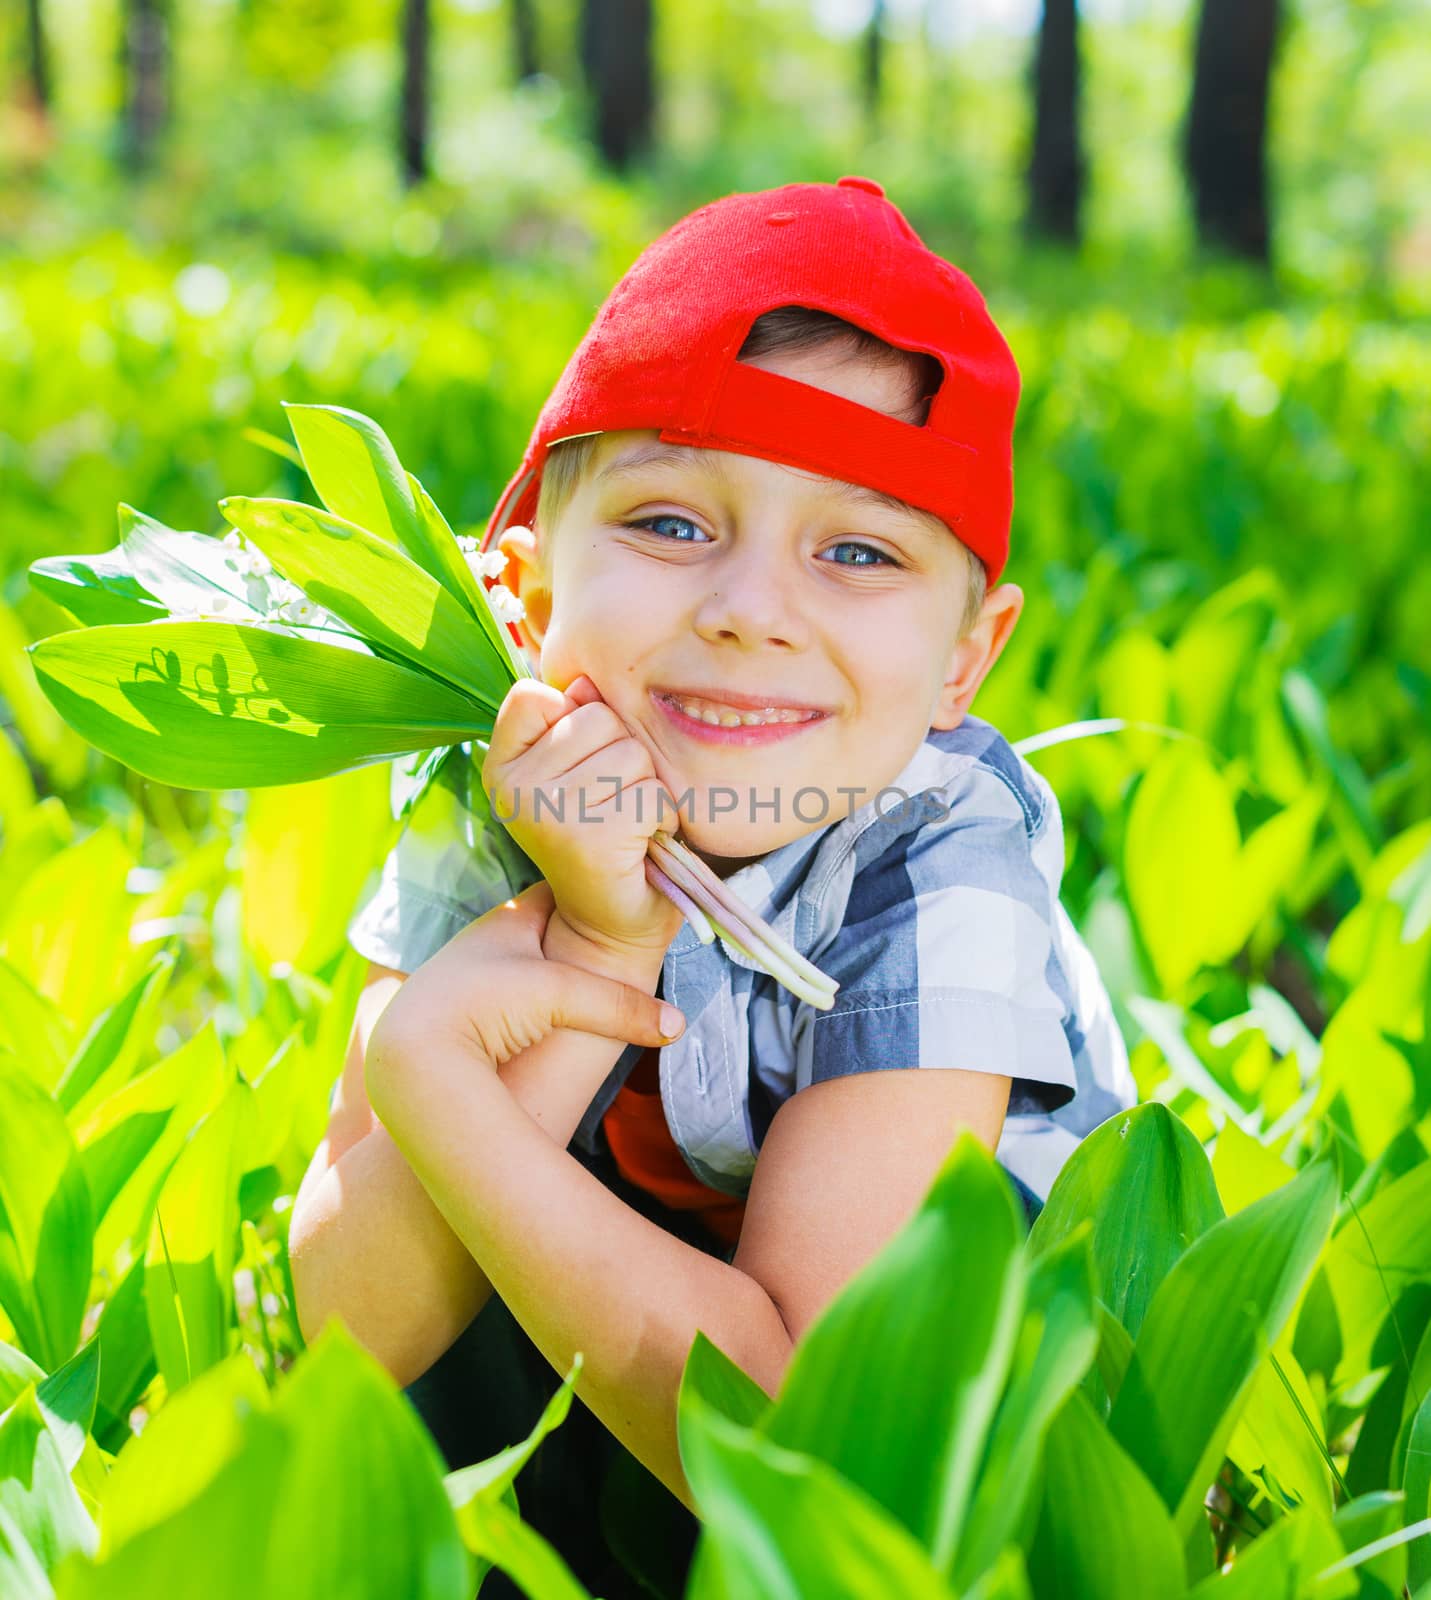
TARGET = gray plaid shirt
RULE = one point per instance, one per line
(940, 919)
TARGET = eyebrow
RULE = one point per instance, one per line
(643, 457)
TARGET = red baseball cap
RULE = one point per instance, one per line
(661, 353)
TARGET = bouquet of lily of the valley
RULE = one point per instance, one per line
(309, 641)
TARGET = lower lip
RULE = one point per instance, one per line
(767, 733)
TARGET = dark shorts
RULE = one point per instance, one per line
(618, 1527)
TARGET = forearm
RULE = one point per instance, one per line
(369, 1246)
(577, 1267)
(367, 1242)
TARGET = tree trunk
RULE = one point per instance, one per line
(1056, 168)
(38, 56)
(145, 64)
(526, 56)
(616, 59)
(1226, 142)
(872, 64)
(413, 116)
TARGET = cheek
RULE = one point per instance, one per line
(597, 625)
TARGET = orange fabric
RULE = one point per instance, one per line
(646, 1154)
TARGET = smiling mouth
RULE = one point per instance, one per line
(718, 714)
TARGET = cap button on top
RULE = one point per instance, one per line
(867, 184)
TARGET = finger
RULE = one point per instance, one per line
(593, 1004)
(614, 768)
(581, 736)
(526, 714)
(582, 690)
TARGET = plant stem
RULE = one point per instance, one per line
(696, 869)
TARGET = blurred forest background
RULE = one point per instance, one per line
(1205, 226)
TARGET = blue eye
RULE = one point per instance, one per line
(878, 555)
(649, 522)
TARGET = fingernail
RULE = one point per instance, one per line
(672, 1022)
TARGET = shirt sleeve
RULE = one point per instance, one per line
(947, 955)
(452, 862)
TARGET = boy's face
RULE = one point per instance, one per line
(680, 579)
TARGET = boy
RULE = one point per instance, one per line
(781, 380)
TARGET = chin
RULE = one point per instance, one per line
(726, 846)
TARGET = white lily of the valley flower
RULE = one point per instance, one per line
(505, 605)
(249, 562)
(490, 564)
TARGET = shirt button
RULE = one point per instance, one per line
(867, 184)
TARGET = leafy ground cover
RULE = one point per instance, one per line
(1213, 1349)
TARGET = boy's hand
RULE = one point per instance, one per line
(492, 986)
(601, 804)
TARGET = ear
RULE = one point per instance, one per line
(975, 654)
(525, 576)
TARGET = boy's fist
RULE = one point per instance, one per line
(600, 804)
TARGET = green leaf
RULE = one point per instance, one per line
(184, 1446)
(358, 477)
(188, 571)
(300, 874)
(1283, 1564)
(127, 1364)
(1103, 1533)
(1180, 859)
(895, 1383)
(488, 1481)
(1280, 1439)
(498, 1536)
(355, 470)
(1220, 1308)
(211, 705)
(1308, 712)
(1417, 1487)
(95, 589)
(17, 1373)
(21, 1575)
(1216, 648)
(45, 1226)
(224, 1497)
(117, 1038)
(129, 1141)
(188, 1286)
(376, 590)
(49, 743)
(66, 930)
(1245, 1169)
(1269, 863)
(272, 443)
(36, 1494)
(1381, 1248)
(440, 555)
(1364, 1521)
(1115, 1351)
(1056, 1343)
(1144, 1182)
(780, 1525)
(32, 1029)
(715, 1378)
(362, 1509)
(67, 1400)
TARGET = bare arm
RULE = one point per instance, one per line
(365, 1239)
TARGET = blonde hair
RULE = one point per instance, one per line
(786, 329)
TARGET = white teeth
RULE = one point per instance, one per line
(724, 717)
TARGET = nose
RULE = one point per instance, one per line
(752, 602)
